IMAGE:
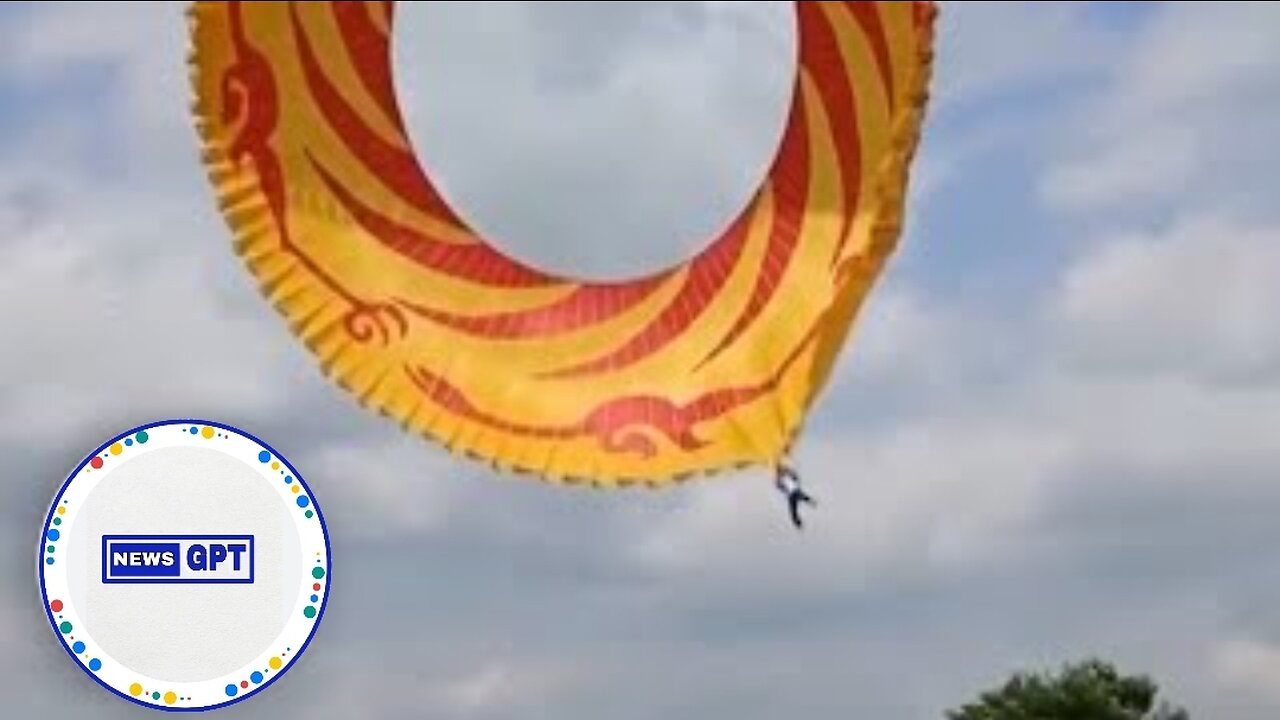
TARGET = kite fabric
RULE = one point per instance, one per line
(710, 365)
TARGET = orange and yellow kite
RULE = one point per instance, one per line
(710, 365)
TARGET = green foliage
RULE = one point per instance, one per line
(1092, 690)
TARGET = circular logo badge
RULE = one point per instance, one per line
(184, 565)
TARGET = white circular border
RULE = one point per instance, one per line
(313, 538)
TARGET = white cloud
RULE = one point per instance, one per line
(143, 46)
(910, 342)
(1185, 119)
(1197, 298)
(991, 50)
(125, 299)
(390, 485)
(488, 689)
(626, 163)
(1192, 55)
(98, 340)
(499, 685)
(898, 335)
(1148, 166)
(923, 500)
(1250, 666)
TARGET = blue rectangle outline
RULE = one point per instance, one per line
(189, 581)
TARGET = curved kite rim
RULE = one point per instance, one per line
(885, 206)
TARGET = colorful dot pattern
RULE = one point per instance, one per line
(169, 697)
(303, 502)
(208, 433)
(65, 627)
(97, 462)
(53, 534)
(257, 677)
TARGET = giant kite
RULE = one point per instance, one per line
(709, 365)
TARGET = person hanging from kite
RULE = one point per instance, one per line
(788, 483)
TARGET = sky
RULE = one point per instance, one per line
(1051, 437)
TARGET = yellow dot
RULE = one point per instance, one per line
(62, 511)
(170, 698)
(117, 449)
(275, 466)
(296, 489)
(207, 433)
(135, 689)
(274, 663)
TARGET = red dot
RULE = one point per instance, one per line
(56, 606)
(96, 463)
(316, 587)
(244, 684)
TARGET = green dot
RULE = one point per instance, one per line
(50, 548)
(310, 514)
(142, 437)
(309, 611)
(155, 696)
(57, 521)
(65, 628)
(317, 573)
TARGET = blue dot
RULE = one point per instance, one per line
(256, 677)
(264, 456)
(48, 561)
(303, 501)
(288, 480)
(95, 664)
(231, 691)
(315, 598)
(128, 442)
(53, 534)
(78, 647)
(194, 431)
